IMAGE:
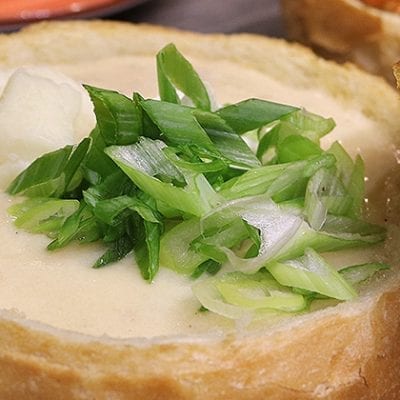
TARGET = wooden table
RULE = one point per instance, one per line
(228, 16)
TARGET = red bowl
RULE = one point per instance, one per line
(23, 11)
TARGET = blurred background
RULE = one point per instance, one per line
(343, 31)
(256, 16)
(228, 16)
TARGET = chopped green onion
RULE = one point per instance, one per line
(235, 295)
(175, 71)
(253, 114)
(43, 178)
(309, 125)
(313, 273)
(145, 159)
(43, 215)
(210, 266)
(81, 226)
(275, 179)
(180, 186)
(177, 123)
(325, 193)
(356, 274)
(147, 253)
(118, 250)
(118, 117)
(175, 250)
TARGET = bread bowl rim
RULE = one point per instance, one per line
(23, 334)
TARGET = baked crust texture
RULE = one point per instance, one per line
(346, 30)
(350, 351)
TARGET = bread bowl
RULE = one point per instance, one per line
(342, 352)
(347, 30)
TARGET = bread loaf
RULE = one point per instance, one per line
(347, 351)
(346, 30)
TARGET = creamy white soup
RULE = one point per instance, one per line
(60, 289)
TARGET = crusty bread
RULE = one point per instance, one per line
(346, 30)
(396, 73)
(350, 351)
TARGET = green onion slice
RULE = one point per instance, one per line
(236, 295)
(311, 272)
(356, 274)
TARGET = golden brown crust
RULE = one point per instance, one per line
(346, 352)
(346, 30)
(336, 357)
(396, 73)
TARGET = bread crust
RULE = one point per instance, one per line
(350, 351)
(346, 30)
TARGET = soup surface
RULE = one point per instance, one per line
(59, 288)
